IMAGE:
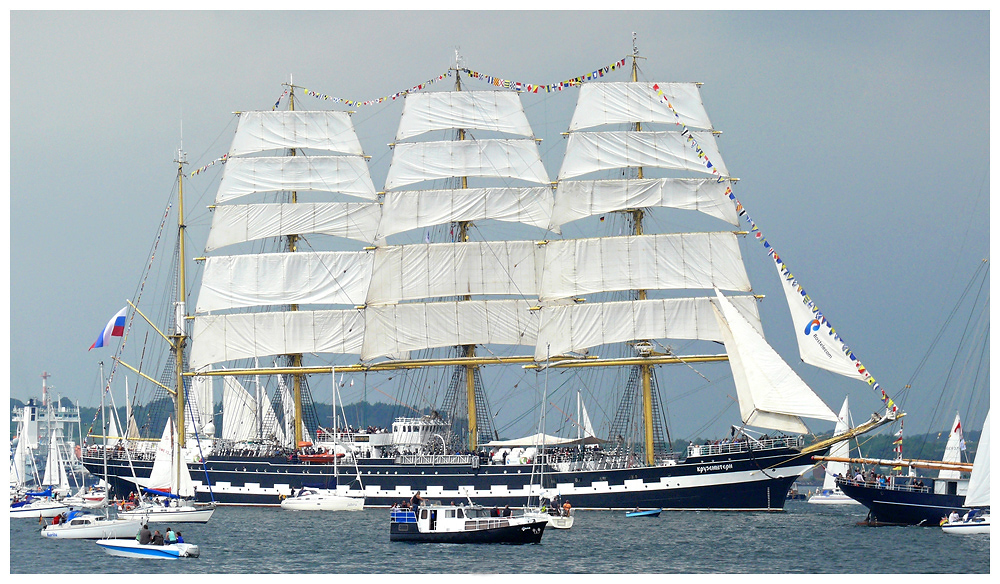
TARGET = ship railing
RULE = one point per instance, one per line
(246, 449)
(889, 486)
(402, 516)
(598, 463)
(439, 459)
(121, 454)
(491, 523)
(743, 445)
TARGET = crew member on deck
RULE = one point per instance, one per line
(415, 502)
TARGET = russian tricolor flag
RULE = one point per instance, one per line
(114, 328)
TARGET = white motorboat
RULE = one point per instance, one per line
(322, 500)
(80, 525)
(832, 497)
(972, 522)
(130, 548)
(557, 519)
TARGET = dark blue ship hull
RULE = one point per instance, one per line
(902, 506)
(748, 480)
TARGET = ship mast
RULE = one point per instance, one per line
(646, 370)
(469, 351)
(179, 338)
(297, 357)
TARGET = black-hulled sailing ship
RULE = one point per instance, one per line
(904, 498)
(481, 294)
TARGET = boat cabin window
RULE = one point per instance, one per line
(460, 513)
(423, 513)
(449, 513)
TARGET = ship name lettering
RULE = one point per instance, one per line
(715, 467)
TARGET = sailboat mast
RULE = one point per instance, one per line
(469, 350)
(179, 338)
(104, 433)
(293, 240)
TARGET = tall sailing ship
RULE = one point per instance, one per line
(478, 279)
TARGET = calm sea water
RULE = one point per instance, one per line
(803, 539)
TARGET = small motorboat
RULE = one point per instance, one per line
(646, 513)
(80, 525)
(556, 518)
(470, 523)
(130, 548)
(975, 521)
(832, 496)
(310, 499)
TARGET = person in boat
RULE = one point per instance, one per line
(170, 536)
(506, 511)
(954, 517)
(415, 501)
(566, 507)
(180, 538)
(157, 538)
(144, 536)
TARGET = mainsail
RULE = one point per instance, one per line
(473, 289)
(169, 473)
(55, 468)
(675, 261)
(276, 280)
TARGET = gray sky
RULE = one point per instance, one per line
(861, 140)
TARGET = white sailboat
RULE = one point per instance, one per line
(37, 504)
(548, 502)
(55, 469)
(170, 487)
(977, 498)
(23, 471)
(831, 493)
(336, 499)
